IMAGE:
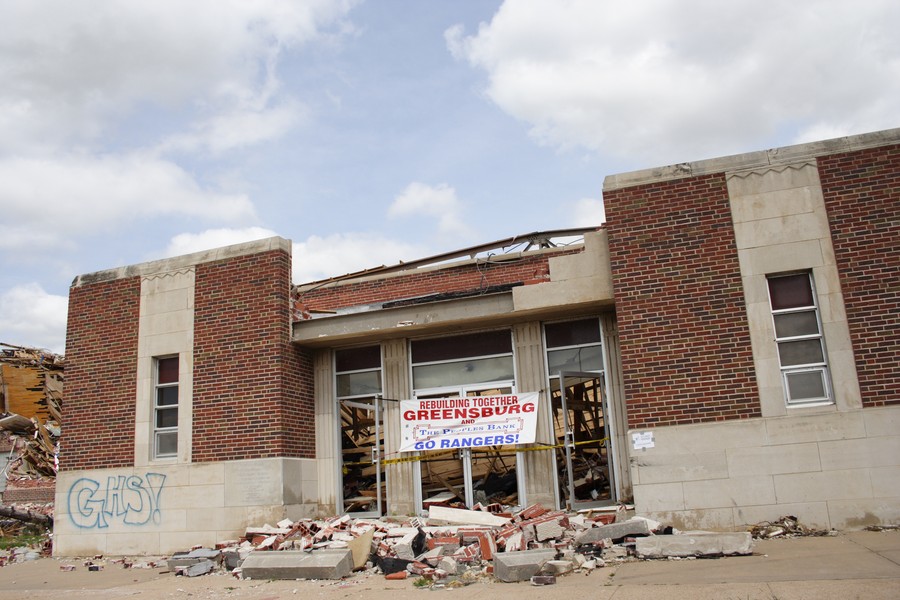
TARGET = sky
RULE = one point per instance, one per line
(374, 131)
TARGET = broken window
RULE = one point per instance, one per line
(358, 385)
(579, 412)
(798, 337)
(462, 359)
(469, 365)
(165, 408)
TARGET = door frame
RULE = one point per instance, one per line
(569, 441)
(376, 455)
(465, 454)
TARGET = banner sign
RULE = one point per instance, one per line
(469, 422)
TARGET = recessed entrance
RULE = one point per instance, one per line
(582, 428)
(468, 476)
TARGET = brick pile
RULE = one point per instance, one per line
(533, 542)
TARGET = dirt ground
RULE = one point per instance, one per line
(860, 565)
(44, 578)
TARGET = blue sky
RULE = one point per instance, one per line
(369, 132)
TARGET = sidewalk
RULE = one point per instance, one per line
(860, 564)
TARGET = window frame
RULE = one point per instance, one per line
(819, 367)
(458, 359)
(158, 407)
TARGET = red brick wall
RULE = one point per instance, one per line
(29, 490)
(862, 198)
(101, 375)
(463, 278)
(682, 320)
(252, 389)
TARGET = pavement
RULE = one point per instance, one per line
(860, 564)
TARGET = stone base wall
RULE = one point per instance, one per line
(162, 509)
(832, 470)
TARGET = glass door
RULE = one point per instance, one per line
(583, 437)
(465, 477)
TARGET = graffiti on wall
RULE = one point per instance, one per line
(131, 499)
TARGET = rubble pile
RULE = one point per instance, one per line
(787, 526)
(31, 383)
(451, 547)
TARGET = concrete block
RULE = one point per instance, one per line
(557, 567)
(860, 454)
(728, 493)
(201, 568)
(858, 514)
(771, 460)
(361, 547)
(815, 428)
(886, 482)
(671, 468)
(879, 421)
(613, 531)
(465, 517)
(658, 497)
(823, 485)
(510, 567)
(706, 519)
(780, 257)
(694, 544)
(548, 530)
(320, 564)
(449, 564)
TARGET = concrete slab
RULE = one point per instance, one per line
(614, 531)
(510, 567)
(694, 544)
(465, 517)
(361, 547)
(321, 564)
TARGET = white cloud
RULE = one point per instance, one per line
(236, 129)
(342, 253)
(34, 318)
(588, 212)
(188, 243)
(671, 81)
(438, 201)
(69, 70)
(87, 193)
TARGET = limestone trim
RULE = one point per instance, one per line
(781, 226)
(166, 328)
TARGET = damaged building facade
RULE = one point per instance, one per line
(721, 352)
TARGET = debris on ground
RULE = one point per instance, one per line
(452, 547)
(788, 526)
(31, 390)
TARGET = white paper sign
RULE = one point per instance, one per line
(642, 440)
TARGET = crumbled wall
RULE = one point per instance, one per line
(463, 278)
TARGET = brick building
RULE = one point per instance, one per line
(723, 351)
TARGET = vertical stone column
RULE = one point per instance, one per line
(618, 417)
(538, 467)
(327, 420)
(400, 480)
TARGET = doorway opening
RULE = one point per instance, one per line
(581, 425)
(465, 477)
